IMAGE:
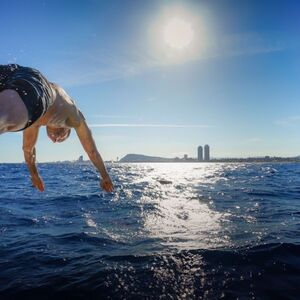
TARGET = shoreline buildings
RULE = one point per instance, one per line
(206, 153)
(200, 153)
(203, 155)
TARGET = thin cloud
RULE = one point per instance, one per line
(110, 116)
(288, 122)
(254, 140)
(149, 125)
(111, 137)
(151, 99)
(105, 64)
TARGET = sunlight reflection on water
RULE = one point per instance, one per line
(185, 206)
(179, 217)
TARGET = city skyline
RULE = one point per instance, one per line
(156, 77)
(203, 156)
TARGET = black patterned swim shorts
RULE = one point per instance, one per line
(33, 88)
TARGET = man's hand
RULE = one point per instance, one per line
(38, 183)
(107, 185)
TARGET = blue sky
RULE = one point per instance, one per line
(235, 86)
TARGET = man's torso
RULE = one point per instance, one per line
(62, 113)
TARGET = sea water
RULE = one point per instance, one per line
(169, 231)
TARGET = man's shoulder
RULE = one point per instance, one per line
(62, 95)
(76, 118)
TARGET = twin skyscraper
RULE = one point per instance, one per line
(206, 153)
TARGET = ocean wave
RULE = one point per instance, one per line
(264, 271)
(83, 238)
(218, 231)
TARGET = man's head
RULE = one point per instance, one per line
(58, 134)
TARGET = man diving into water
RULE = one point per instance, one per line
(27, 102)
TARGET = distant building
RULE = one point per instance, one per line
(206, 153)
(200, 153)
(80, 159)
(185, 157)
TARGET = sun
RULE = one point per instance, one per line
(178, 34)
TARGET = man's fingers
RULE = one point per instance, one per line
(110, 187)
(41, 187)
(107, 186)
(38, 184)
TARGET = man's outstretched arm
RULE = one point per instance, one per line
(88, 143)
(30, 136)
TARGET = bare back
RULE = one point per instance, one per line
(62, 113)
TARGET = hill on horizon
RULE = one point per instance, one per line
(143, 158)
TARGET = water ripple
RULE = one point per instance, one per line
(179, 231)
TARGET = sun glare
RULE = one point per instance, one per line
(178, 34)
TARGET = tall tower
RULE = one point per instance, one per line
(206, 153)
(200, 153)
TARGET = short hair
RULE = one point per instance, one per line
(67, 131)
